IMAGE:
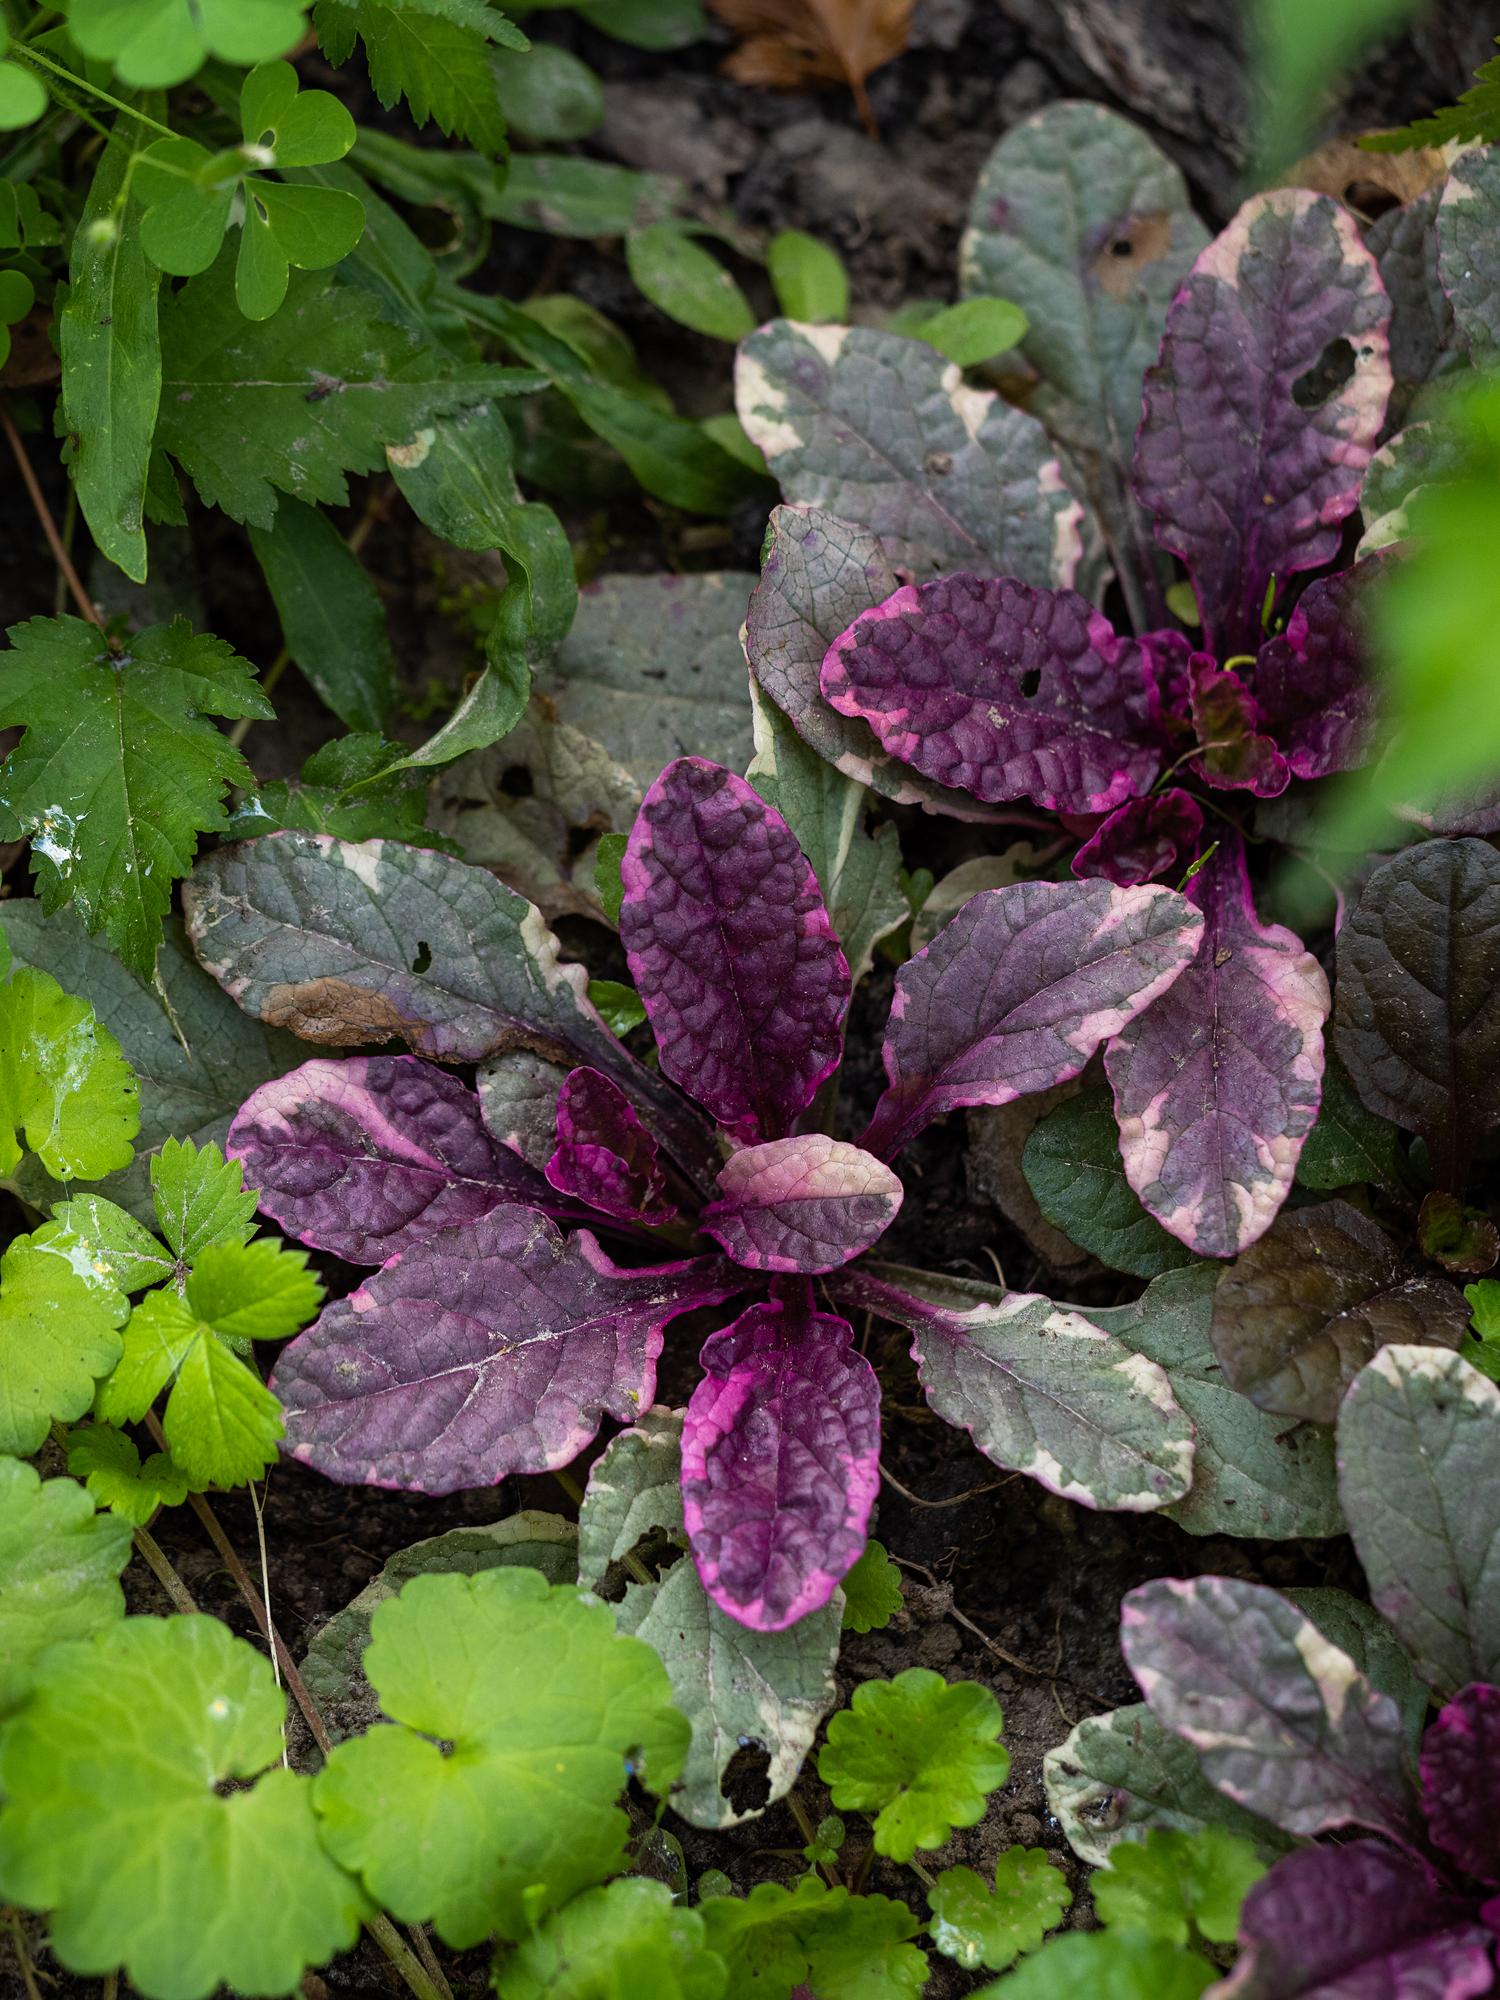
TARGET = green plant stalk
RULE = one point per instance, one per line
(69, 76)
(159, 1563)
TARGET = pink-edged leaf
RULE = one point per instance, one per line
(780, 1460)
(1360, 1922)
(806, 1204)
(1039, 1388)
(1461, 1780)
(1283, 1721)
(1017, 992)
(491, 1348)
(605, 1157)
(369, 1156)
(1145, 838)
(732, 951)
(1265, 405)
(1235, 756)
(1311, 686)
(1217, 1086)
(993, 688)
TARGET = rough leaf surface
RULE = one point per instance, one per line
(605, 1156)
(803, 1204)
(1312, 686)
(1144, 839)
(1460, 1757)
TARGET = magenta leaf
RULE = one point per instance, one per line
(1017, 992)
(491, 1348)
(1461, 1780)
(731, 949)
(1218, 1085)
(1235, 756)
(1360, 1922)
(807, 1204)
(605, 1156)
(1006, 692)
(1311, 686)
(1283, 1721)
(369, 1156)
(780, 1456)
(1265, 405)
(1142, 839)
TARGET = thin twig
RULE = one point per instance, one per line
(265, 1593)
(268, 680)
(957, 1500)
(38, 500)
(159, 1563)
(23, 1956)
(809, 1834)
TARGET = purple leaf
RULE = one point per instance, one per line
(1310, 683)
(1424, 338)
(1264, 407)
(491, 1348)
(807, 1204)
(1283, 1722)
(780, 1460)
(1217, 1086)
(1143, 839)
(1302, 1311)
(1360, 1922)
(1234, 755)
(731, 949)
(1018, 991)
(1461, 1780)
(1003, 691)
(605, 1156)
(369, 1156)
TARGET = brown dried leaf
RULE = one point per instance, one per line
(1369, 183)
(789, 44)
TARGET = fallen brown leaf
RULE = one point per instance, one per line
(789, 44)
(1369, 183)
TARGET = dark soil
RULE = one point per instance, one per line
(1037, 1581)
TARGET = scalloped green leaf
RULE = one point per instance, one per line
(66, 1090)
(1171, 1885)
(57, 1334)
(619, 1942)
(60, 1565)
(118, 1478)
(976, 1924)
(817, 1939)
(872, 1591)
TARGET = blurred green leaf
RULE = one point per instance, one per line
(331, 616)
(808, 278)
(974, 330)
(687, 283)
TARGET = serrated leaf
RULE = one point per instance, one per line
(815, 1939)
(1171, 1885)
(733, 1684)
(355, 788)
(120, 770)
(522, 1814)
(432, 53)
(57, 1333)
(918, 1753)
(976, 1924)
(331, 617)
(253, 1291)
(60, 1564)
(117, 1476)
(200, 1199)
(105, 1245)
(629, 1937)
(153, 44)
(1106, 1967)
(67, 1094)
(872, 1591)
(1073, 1167)
(122, 1824)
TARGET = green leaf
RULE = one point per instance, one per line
(542, 1704)
(808, 278)
(153, 44)
(201, 1200)
(355, 788)
(120, 1820)
(1349, 1144)
(619, 1942)
(57, 1333)
(1299, 56)
(23, 96)
(1105, 1965)
(547, 93)
(119, 769)
(111, 358)
(286, 226)
(105, 1246)
(647, 24)
(295, 402)
(1475, 116)
(1172, 1885)
(621, 1006)
(331, 616)
(918, 1752)
(60, 1564)
(838, 1946)
(974, 330)
(1481, 1348)
(66, 1091)
(566, 196)
(187, 196)
(431, 52)
(303, 128)
(977, 1925)
(872, 1591)
(253, 1291)
(112, 1467)
(687, 283)
(607, 878)
(1072, 1165)
(1358, 1629)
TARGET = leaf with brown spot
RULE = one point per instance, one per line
(791, 44)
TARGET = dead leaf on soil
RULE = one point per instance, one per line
(789, 44)
(1368, 183)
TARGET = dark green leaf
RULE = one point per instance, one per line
(331, 616)
(1073, 1167)
(1349, 1144)
(547, 93)
(808, 278)
(431, 52)
(689, 285)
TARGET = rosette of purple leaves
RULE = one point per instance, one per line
(489, 1342)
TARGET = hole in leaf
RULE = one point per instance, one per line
(655, 1552)
(745, 1782)
(580, 839)
(516, 782)
(424, 956)
(262, 212)
(1031, 680)
(1131, 245)
(1329, 373)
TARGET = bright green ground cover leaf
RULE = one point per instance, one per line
(111, 358)
(153, 44)
(57, 1334)
(838, 1946)
(253, 1291)
(433, 53)
(60, 1565)
(105, 1245)
(23, 96)
(355, 788)
(115, 1823)
(1072, 1165)
(119, 770)
(1481, 1348)
(620, 1942)
(331, 616)
(979, 1925)
(620, 1006)
(201, 1200)
(1475, 116)
(687, 282)
(118, 1478)
(872, 1591)
(919, 1753)
(808, 278)
(67, 1094)
(542, 1702)
(974, 330)
(1172, 1885)
(1105, 1965)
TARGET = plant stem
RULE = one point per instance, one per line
(160, 1565)
(44, 514)
(268, 680)
(82, 83)
(919, 1871)
(23, 1956)
(405, 1960)
(809, 1835)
